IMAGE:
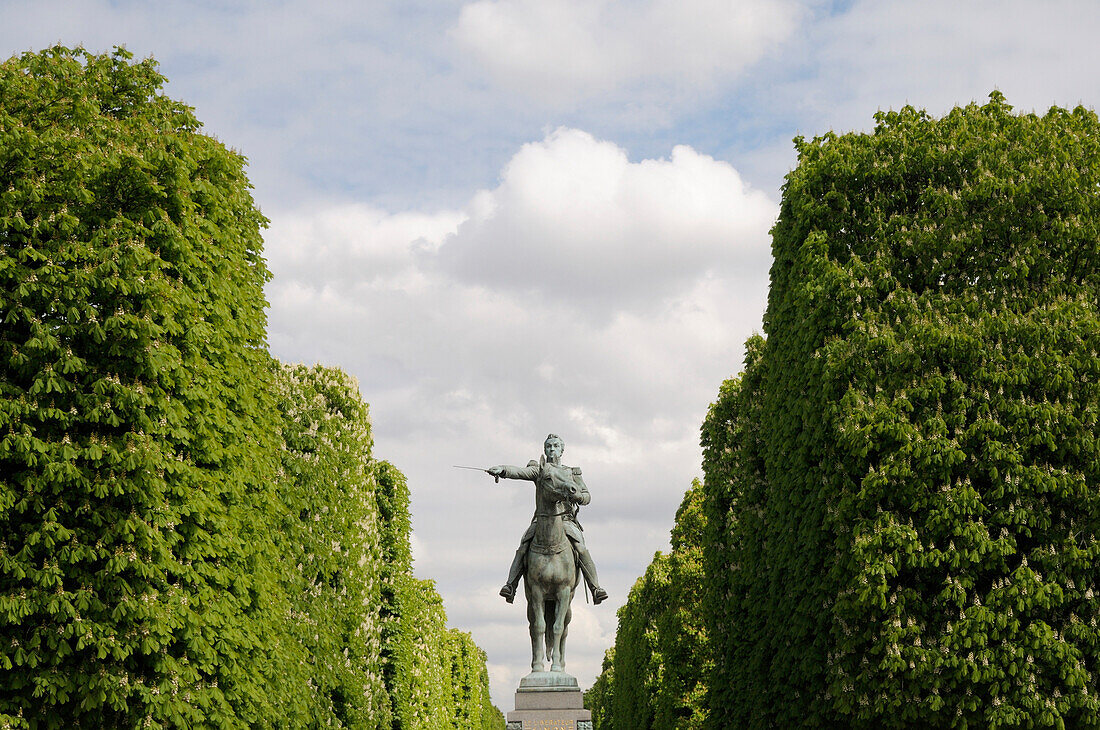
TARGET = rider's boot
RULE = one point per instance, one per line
(509, 589)
(588, 569)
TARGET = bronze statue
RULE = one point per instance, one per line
(551, 552)
(551, 471)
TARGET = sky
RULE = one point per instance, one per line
(513, 217)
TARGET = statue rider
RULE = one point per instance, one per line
(551, 469)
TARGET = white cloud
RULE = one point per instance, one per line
(356, 243)
(576, 222)
(614, 285)
(592, 296)
(563, 51)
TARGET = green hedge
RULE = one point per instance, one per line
(600, 697)
(473, 709)
(331, 540)
(655, 674)
(138, 449)
(902, 487)
(376, 650)
(191, 534)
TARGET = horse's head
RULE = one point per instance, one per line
(563, 493)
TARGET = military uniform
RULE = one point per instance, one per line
(563, 479)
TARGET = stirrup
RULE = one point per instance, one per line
(508, 592)
(599, 595)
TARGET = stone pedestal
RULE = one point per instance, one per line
(549, 701)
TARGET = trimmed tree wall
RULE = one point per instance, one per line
(332, 545)
(655, 674)
(191, 534)
(903, 485)
(138, 449)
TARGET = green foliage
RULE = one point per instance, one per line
(639, 666)
(439, 674)
(436, 676)
(682, 639)
(191, 535)
(654, 676)
(492, 718)
(425, 680)
(395, 521)
(332, 546)
(600, 696)
(734, 500)
(902, 486)
(469, 681)
(376, 649)
(398, 631)
(137, 458)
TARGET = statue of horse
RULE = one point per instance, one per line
(550, 580)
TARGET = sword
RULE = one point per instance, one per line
(477, 468)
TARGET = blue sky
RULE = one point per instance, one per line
(511, 217)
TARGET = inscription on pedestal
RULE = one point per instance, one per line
(549, 720)
(550, 723)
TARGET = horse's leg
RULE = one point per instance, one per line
(565, 632)
(565, 594)
(537, 622)
(562, 597)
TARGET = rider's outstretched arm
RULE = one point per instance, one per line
(529, 472)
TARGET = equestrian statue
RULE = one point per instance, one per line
(552, 555)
